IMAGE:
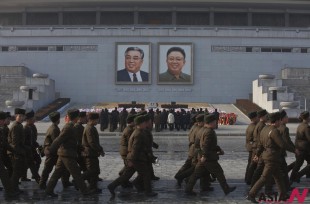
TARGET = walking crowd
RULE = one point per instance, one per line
(75, 150)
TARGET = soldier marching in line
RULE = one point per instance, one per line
(91, 151)
(50, 160)
(302, 144)
(4, 176)
(122, 119)
(32, 156)
(6, 159)
(79, 134)
(249, 134)
(274, 145)
(208, 159)
(66, 146)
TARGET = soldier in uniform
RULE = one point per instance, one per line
(6, 159)
(157, 120)
(51, 134)
(274, 146)
(4, 176)
(284, 131)
(248, 143)
(33, 158)
(17, 153)
(257, 165)
(66, 144)
(79, 130)
(122, 117)
(91, 151)
(208, 160)
(183, 171)
(302, 144)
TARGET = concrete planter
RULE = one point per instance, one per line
(289, 104)
(266, 76)
(14, 103)
(279, 88)
(27, 88)
(39, 75)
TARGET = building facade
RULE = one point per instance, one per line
(229, 43)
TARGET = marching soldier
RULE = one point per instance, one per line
(79, 133)
(274, 146)
(257, 166)
(33, 158)
(66, 144)
(248, 144)
(50, 161)
(208, 160)
(91, 151)
(122, 117)
(284, 131)
(302, 144)
(4, 176)
(6, 159)
(17, 153)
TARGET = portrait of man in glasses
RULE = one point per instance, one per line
(134, 58)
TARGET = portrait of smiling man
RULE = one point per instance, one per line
(134, 58)
(176, 61)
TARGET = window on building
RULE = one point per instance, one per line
(10, 19)
(193, 18)
(299, 20)
(268, 19)
(155, 18)
(79, 18)
(230, 19)
(42, 19)
(117, 18)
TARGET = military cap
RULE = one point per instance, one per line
(200, 118)
(30, 114)
(8, 115)
(304, 115)
(54, 116)
(141, 119)
(19, 111)
(142, 113)
(252, 115)
(2, 115)
(210, 118)
(73, 113)
(93, 116)
(273, 117)
(283, 114)
(82, 114)
(130, 118)
(261, 113)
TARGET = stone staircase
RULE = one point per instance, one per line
(11, 78)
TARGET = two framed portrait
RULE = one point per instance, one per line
(134, 63)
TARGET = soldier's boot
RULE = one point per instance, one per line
(252, 199)
(111, 187)
(42, 185)
(228, 189)
(301, 173)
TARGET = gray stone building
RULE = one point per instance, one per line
(231, 42)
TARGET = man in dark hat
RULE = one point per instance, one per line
(33, 158)
(257, 165)
(208, 158)
(284, 131)
(274, 146)
(302, 144)
(157, 120)
(66, 144)
(79, 133)
(249, 140)
(50, 161)
(6, 159)
(182, 173)
(139, 154)
(4, 176)
(122, 117)
(16, 140)
(91, 151)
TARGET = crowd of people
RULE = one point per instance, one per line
(75, 151)
(179, 119)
